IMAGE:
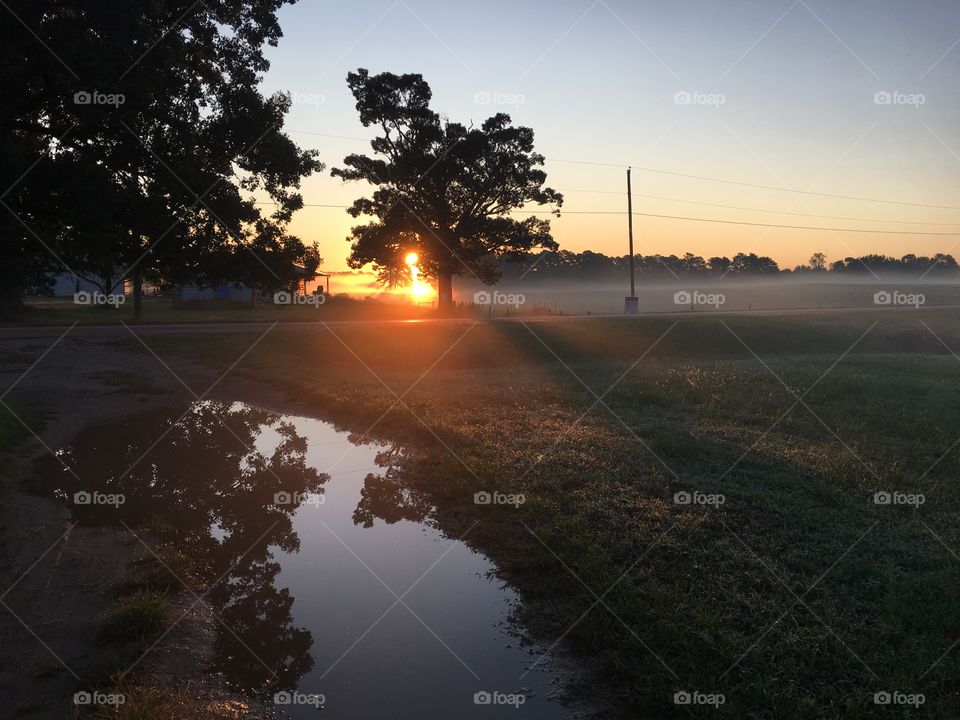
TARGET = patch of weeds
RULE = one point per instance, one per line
(147, 574)
(134, 618)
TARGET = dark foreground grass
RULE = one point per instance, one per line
(17, 418)
(797, 597)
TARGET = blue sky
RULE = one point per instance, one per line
(780, 93)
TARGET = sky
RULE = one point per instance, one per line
(857, 98)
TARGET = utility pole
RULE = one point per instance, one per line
(631, 305)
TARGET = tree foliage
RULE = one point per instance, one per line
(443, 190)
(135, 139)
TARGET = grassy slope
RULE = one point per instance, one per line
(798, 598)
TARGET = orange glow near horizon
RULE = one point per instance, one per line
(419, 290)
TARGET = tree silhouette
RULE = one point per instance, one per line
(444, 190)
(177, 161)
(751, 263)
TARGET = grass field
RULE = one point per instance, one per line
(797, 597)
(778, 293)
(63, 311)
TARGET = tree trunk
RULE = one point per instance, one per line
(445, 291)
(137, 295)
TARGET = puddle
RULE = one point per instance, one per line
(337, 587)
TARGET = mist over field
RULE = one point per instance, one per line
(712, 294)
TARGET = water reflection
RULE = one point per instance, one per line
(385, 497)
(204, 476)
(335, 583)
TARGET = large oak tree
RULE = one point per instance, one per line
(443, 190)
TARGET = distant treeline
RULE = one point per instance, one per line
(589, 265)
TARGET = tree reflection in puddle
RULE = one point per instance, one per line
(203, 476)
(385, 497)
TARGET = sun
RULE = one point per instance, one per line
(421, 290)
(418, 288)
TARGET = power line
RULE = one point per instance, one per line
(752, 209)
(798, 227)
(756, 185)
(257, 202)
(697, 202)
(705, 178)
(329, 135)
(696, 219)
